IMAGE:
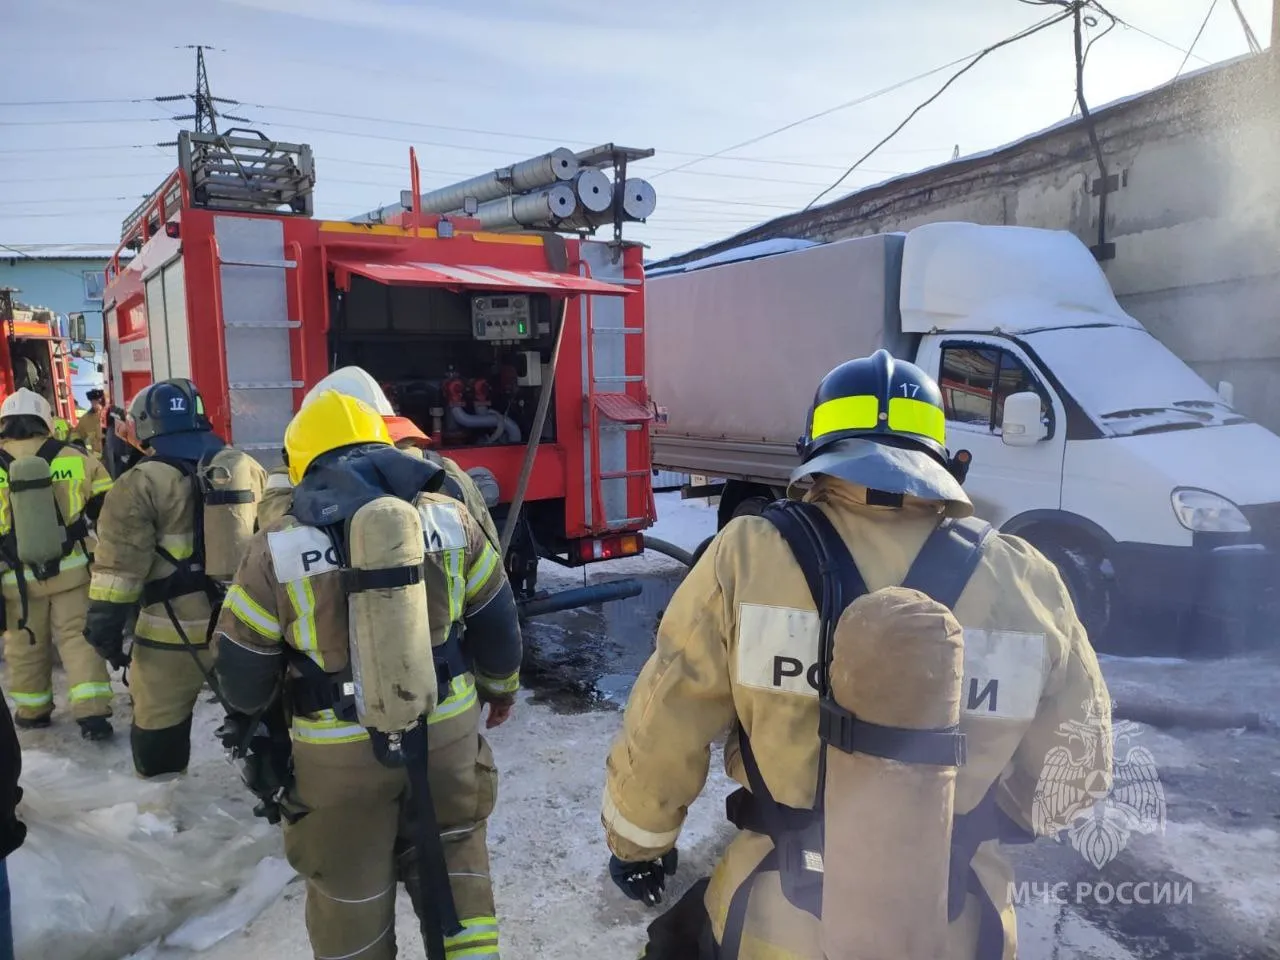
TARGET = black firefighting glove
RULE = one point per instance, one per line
(104, 628)
(265, 763)
(644, 880)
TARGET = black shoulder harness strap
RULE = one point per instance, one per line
(941, 570)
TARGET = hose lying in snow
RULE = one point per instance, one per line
(1191, 718)
(669, 550)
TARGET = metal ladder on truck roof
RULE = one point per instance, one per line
(615, 445)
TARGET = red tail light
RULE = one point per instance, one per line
(610, 548)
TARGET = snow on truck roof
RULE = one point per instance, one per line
(966, 276)
(749, 251)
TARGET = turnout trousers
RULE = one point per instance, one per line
(54, 619)
(353, 846)
(165, 684)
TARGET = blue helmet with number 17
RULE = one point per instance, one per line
(879, 422)
(168, 407)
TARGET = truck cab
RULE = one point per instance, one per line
(1089, 438)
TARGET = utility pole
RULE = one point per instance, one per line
(206, 113)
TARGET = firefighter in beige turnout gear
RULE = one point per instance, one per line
(284, 633)
(407, 437)
(46, 607)
(149, 521)
(738, 648)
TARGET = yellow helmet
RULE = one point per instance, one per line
(328, 422)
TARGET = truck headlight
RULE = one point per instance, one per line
(1205, 512)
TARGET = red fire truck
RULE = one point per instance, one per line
(35, 353)
(521, 354)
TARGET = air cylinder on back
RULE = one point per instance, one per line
(36, 528)
(390, 633)
(898, 662)
(231, 493)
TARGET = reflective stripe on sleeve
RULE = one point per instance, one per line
(89, 691)
(114, 587)
(278, 481)
(249, 612)
(102, 486)
(481, 571)
(509, 684)
(632, 833)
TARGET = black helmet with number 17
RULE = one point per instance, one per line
(879, 422)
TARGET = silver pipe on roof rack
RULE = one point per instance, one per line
(594, 190)
(542, 171)
(552, 204)
(639, 199)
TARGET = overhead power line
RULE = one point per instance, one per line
(1213, 4)
(973, 62)
(1254, 46)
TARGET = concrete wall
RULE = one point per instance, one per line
(56, 284)
(1195, 219)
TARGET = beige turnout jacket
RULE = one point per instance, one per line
(736, 646)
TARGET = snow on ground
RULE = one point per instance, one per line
(548, 854)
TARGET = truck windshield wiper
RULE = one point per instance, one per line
(1166, 427)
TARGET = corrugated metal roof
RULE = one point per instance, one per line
(60, 251)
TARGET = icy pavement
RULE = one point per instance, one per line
(1219, 852)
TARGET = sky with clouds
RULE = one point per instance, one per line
(474, 85)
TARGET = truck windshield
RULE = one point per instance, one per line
(1129, 382)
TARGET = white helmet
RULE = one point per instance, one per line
(353, 382)
(24, 402)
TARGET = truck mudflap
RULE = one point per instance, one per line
(544, 603)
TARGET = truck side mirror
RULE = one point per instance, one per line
(1021, 425)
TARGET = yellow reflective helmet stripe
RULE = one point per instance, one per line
(845, 413)
(916, 416)
(249, 612)
(862, 412)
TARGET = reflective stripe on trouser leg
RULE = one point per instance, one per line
(87, 678)
(344, 848)
(30, 665)
(463, 781)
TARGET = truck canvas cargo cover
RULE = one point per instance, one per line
(471, 277)
(734, 352)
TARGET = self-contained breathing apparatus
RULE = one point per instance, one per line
(378, 540)
(877, 422)
(39, 538)
(223, 520)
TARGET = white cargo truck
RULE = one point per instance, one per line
(1089, 438)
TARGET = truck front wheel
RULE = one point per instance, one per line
(1083, 571)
